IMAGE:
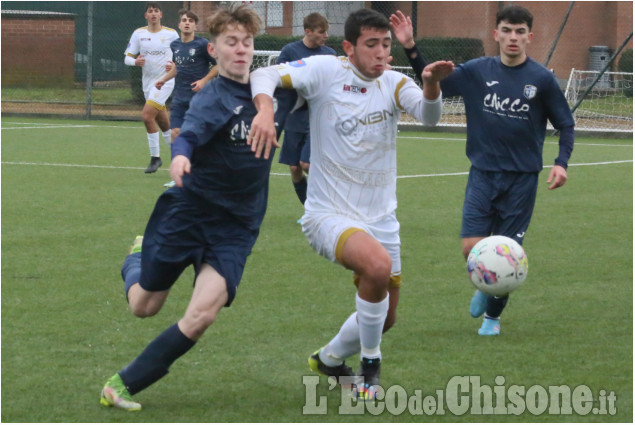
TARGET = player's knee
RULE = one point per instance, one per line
(305, 166)
(377, 272)
(144, 310)
(197, 322)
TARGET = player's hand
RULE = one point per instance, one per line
(437, 71)
(159, 84)
(168, 66)
(402, 27)
(140, 60)
(262, 135)
(557, 177)
(180, 165)
(197, 86)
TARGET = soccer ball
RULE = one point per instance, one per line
(497, 265)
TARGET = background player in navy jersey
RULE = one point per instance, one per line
(296, 147)
(190, 68)
(212, 217)
(508, 100)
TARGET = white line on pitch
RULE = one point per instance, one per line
(463, 173)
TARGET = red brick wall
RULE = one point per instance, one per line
(591, 23)
(38, 50)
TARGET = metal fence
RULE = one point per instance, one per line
(96, 84)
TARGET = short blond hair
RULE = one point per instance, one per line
(241, 15)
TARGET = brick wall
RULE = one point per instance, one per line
(38, 49)
(591, 23)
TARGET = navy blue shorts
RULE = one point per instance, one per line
(296, 147)
(179, 234)
(178, 108)
(498, 203)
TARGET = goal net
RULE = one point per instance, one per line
(609, 104)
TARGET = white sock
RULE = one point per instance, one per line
(371, 318)
(344, 344)
(167, 136)
(153, 142)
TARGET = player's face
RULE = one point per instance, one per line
(316, 37)
(187, 25)
(234, 51)
(512, 40)
(153, 15)
(371, 52)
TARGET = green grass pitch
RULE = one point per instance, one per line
(74, 196)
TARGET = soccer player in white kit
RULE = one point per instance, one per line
(354, 108)
(149, 47)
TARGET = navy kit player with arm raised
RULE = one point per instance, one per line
(296, 147)
(210, 220)
(508, 101)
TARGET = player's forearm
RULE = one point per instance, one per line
(565, 146)
(211, 74)
(169, 75)
(431, 111)
(416, 59)
(129, 60)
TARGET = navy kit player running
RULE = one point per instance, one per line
(212, 217)
(191, 66)
(296, 148)
(508, 100)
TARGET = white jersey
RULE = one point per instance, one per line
(353, 124)
(155, 47)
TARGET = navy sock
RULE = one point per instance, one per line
(495, 306)
(153, 363)
(300, 189)
(131, 270)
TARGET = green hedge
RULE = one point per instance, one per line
(625, 64)
(458, 50)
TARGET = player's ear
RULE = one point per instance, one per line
(530, 37)
(348, 47)
(211, 50)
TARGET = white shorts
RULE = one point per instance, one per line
(158, 98)
(325, 230)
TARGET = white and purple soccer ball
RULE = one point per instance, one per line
(497, 265)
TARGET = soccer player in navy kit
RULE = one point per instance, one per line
(212, 217)
(190, 68)
(296, 148)
(508, 100)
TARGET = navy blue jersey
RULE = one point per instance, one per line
(299, 120)
(507, 110)
(225, 173)
(192, 63)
